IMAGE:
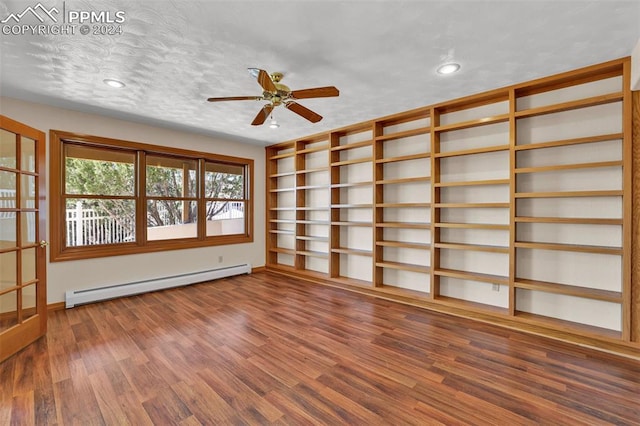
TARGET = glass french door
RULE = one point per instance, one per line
(23, 299)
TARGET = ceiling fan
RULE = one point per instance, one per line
(279, 94)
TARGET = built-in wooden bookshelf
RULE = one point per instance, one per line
(512, 206)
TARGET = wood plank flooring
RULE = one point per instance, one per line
(266, 349)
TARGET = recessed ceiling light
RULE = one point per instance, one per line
(449, 68)
(113, 83)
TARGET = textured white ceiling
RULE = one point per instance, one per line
(382, 56)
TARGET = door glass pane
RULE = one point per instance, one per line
(8, 225)
(28, 225)
(171, 177)
(168, 219)
(28, 265)
(28, 301)
(7, 190)
(8, 149)
(225, 218)
(28, 192)
(8, 262)
(8, 310)
(28, 154)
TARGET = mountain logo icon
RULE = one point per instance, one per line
(39, 11)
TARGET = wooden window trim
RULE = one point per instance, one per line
(59, 252)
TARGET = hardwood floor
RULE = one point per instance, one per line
(266, 349)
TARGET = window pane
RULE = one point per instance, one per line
(28, 302)
(224, 181)
(8, 149)
(96, 171)
(8, 310)
(28, 154)
(8, 224)
(28, 192)
(8, 265)
(95, 222)
(169, 219)
(28, 261)
(225, 218)
(171, 177)
(28, 224)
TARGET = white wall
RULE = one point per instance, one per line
(73, 275)
(635, 67)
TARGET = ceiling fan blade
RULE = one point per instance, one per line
(316, 92)
(264, 79)
(262, 115)
(303, 111)
(236, 98)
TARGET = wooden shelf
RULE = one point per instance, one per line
(403, 180)
(404, 266)
(300, 188)
(346, 250)
(569, 220)
(402, 205)
(569, 290)
(313, 149)
(472, 225)
(472, 276)
(570, 247)
(569, 194)
(351, 206)
(349, 162)
(309, 253)
(281, 156)
(568, 106)
(600, 164)
(352, 145)
(282, 190)
(472, 306)
(404, 225)
(472, 205)
(473, 151)
(473, 247)
(402, 244)
(582, 329)
(312, 208)
(473, 183)
(313, 222)
(573, 141)
(351, 184)
(282, 250)
(282, 209)
(283, 174)
(346, 223)
(292, 221)
(403, 158)
(281, 231)
(312, 238)
(404, 134)
(473, 123)
(316, 170)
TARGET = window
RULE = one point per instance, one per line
(112, 197)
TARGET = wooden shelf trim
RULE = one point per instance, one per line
(282, 209)
(352, 145)
(281, 231)
(582, 329)
(281, 156)
(403, 244)
(569, 290)
(472, 205)
(404, 266)
(283, 174)
(405, 225)
(404, 158)
(349, 162)
(313, 222)
(495, 226)
(351, 206)
(404, 134)
(570, 247)
(347, 250)
(288, 189)
(351, 184)
(569, 194)
(568, 106)
(473, 247)
(483, 150)
(402, 205)
(473, 183)
(310, 253)
(599, 164)
(501, 118)
(311, 208)
(315, 170)
(347, 223)
(282, 221)
(312, 238)
(569, 220)
(566, 142)
(282, 250)
(303, 187)
(313, 149)
(403, 180)
(472, 276)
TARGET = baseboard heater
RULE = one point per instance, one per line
(79, 297)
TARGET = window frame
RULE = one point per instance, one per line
(58, 196)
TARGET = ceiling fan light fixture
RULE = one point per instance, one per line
(117, 84)
(448, 68)
(274, 124)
